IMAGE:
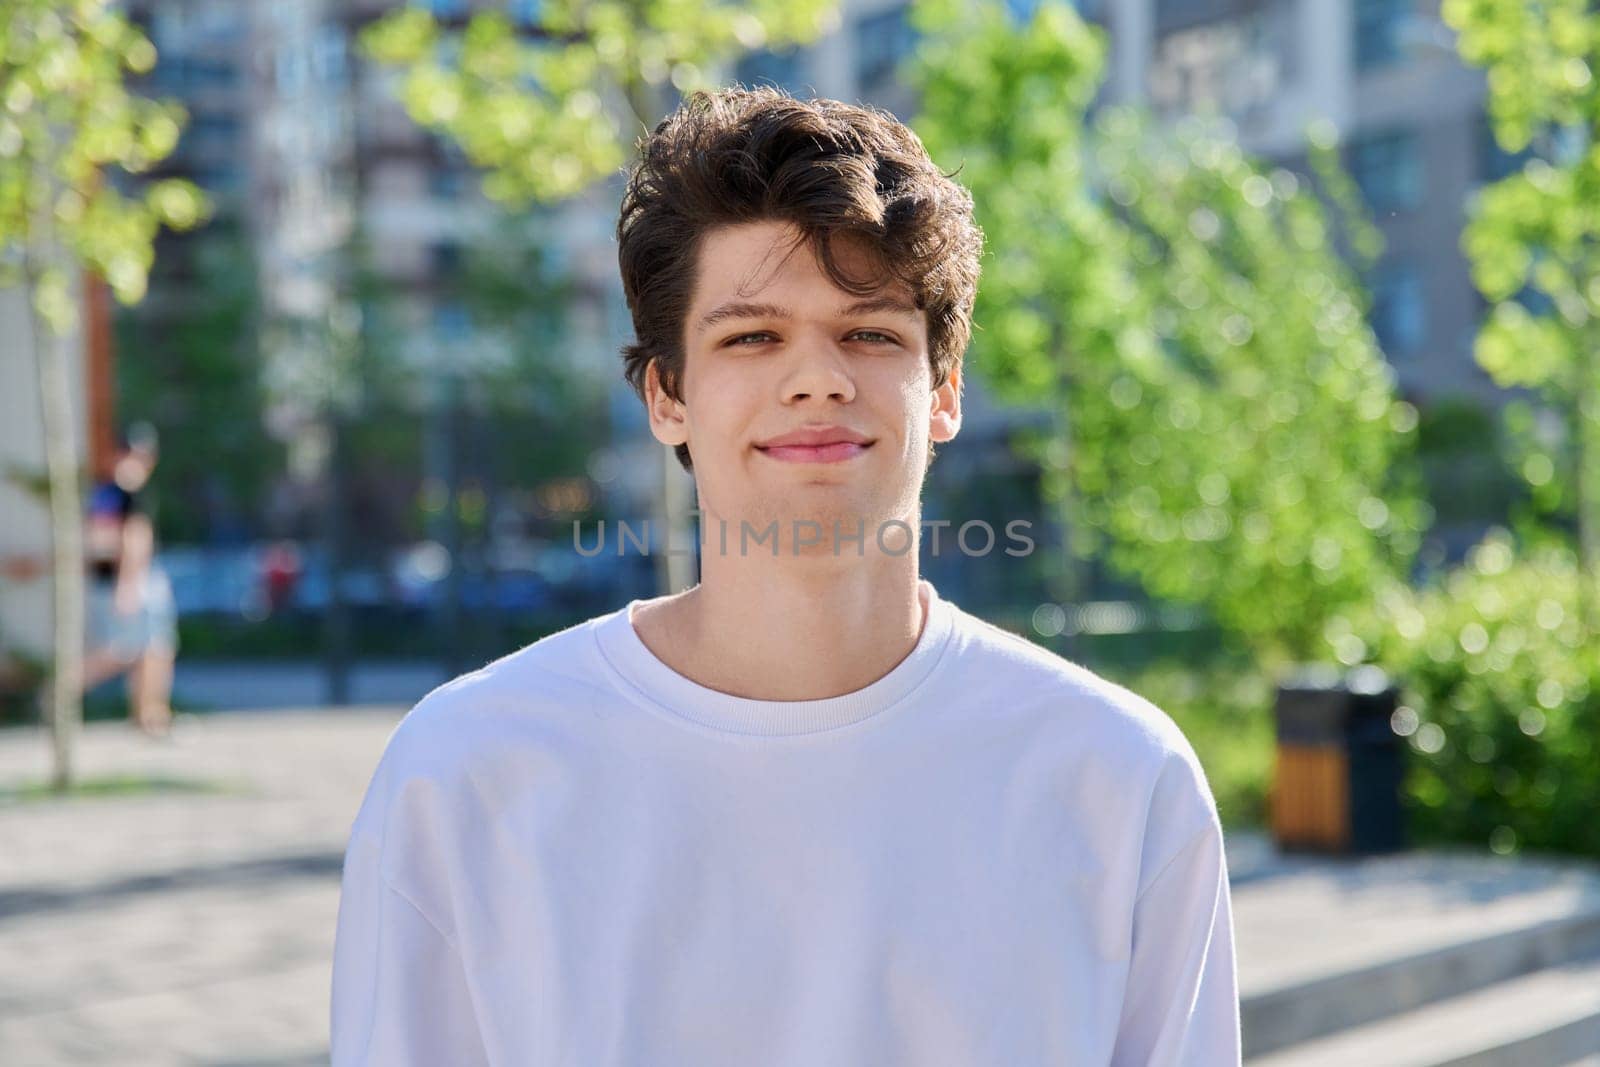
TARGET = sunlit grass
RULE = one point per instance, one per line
(118, 786)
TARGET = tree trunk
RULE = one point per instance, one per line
(65, 691)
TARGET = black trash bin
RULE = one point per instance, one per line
(1338, 767)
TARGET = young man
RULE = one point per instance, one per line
(807, 812)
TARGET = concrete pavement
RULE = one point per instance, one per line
(181, 927)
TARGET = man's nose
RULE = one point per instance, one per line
(820, 368)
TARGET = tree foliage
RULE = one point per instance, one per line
(190, 364)
(541, 112)
(1230, 432)
(1536, 233)
(65, 117)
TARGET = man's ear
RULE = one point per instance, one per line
(669, 421)
(944, 419)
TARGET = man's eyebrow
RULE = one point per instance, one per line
(869, 306)
(742, 311)
(881, 303)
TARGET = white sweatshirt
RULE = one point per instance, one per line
(989, 857)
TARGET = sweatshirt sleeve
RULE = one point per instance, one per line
(400, 996)
(1181, 1005)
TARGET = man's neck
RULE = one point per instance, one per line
(788, 629)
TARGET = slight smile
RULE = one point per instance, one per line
(829, 453)
(816, 444)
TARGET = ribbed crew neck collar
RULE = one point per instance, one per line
(660, 685)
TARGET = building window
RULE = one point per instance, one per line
(445, 259)
(214, 124)
(1388, 169)
(213, 132)
(882, 41)
(216, 22)
(293, 70)
(1168, 11)
(447, 182)
(1378, 25)
(450, 173)
(1237, 66)
(224, 181)
(786, 70)
(1399, 309)
(329, 55)
(451, 321)
(213, 74)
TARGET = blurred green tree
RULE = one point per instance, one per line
(1228, 428)
(190, 363)
(519, 298)
(521, 386)
(65, 117)
(1536, 233)
(547, 111)
(539, 109)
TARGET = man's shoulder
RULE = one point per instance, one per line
(516, 694)
(1024, 670)
(1069, 695)
(1119, 739)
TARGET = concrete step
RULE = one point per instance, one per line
(1329, 945)
(1550, 1018)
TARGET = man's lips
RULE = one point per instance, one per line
(832, 452)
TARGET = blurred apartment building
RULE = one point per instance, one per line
(307, 153)
(269, 137)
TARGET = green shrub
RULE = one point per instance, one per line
(1500, 689)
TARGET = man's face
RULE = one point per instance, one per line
(772, 347)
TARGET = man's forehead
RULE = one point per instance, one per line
(752, 255)
(754, 266)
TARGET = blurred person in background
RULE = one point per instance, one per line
(281, 567)
(132, 620)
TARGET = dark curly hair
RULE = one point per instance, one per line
(742, 155)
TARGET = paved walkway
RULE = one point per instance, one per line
(180, 927)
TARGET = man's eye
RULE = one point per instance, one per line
(742, 338)
(876, 337)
